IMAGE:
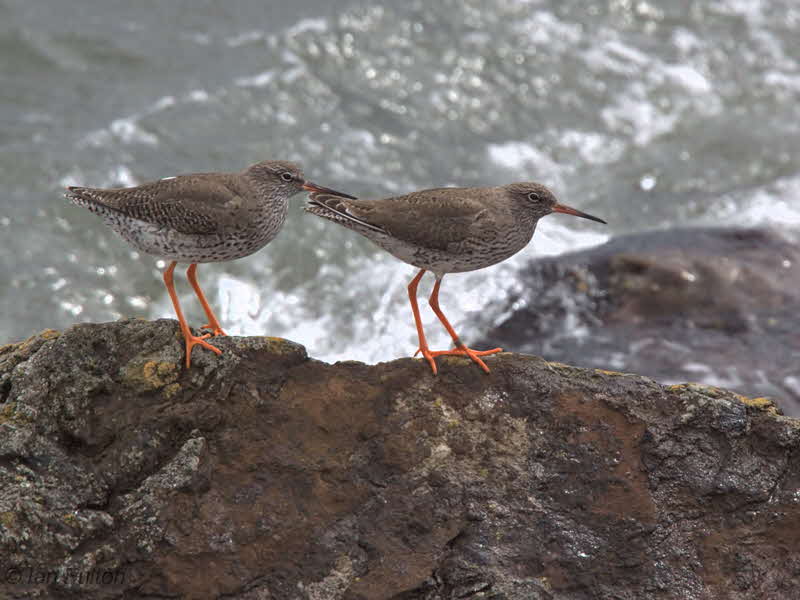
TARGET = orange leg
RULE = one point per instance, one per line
(190, 338)
(460, 349)
(423, 344)
(212, 324)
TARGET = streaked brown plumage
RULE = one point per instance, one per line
(199, 218)
(447, 230)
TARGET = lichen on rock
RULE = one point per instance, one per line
(262, 473)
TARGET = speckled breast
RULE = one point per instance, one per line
(170, 244)
(470, 255)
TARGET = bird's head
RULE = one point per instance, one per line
(286, 179)
(537, 199)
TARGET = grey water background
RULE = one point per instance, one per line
(649, 114)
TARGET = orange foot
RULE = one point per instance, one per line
(464, 351)
(194, 340)
(215, 331)
(428, 355)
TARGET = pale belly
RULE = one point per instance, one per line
(188, 248)
(459, 260)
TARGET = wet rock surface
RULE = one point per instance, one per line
(716, 306)
(263, 474)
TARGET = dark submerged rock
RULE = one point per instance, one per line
(717, 306)
(263, 474)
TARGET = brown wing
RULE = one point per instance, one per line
(193, 204)
(435, 218)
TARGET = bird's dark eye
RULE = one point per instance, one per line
(534, 197)
(286, 176)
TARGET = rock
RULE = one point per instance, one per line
(263, 474)
(717, 306)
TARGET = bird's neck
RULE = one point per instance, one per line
(525, 218)
(268, 196)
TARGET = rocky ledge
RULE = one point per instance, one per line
(264, 474)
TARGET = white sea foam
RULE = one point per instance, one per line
(775, 204)
(260, 80)
(688, 77)
(305, 25)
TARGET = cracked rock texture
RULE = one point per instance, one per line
(263, 474)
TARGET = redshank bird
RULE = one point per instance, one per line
(447, 230)
(200, 218)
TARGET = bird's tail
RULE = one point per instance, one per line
(84, 197)
(77, 195)
(89, 199)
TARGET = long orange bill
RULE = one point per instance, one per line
(571, 211)
(313, 187)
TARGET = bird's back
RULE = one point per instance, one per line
(202, 217)
(194, 204)
(441, 229)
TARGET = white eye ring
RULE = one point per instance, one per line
(286, 176)
(534, 197)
